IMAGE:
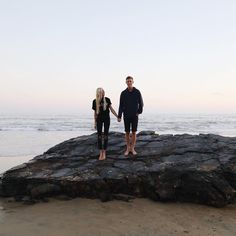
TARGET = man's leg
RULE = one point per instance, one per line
(133, 143)
(127, 135)
(134, 129)
(127, 138)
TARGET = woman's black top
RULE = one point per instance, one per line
(103, 114)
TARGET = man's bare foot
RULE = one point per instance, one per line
(127, 152)
(133, 152)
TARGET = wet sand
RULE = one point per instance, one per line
(91, 217)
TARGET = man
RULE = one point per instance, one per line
(131, 105)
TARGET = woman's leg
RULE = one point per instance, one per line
(106, 131)
(99, 132)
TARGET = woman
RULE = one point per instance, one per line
(102, 107)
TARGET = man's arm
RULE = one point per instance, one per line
(140, 105)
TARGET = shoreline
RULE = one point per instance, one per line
(139, 217)
(8, 162)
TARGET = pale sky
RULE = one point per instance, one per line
(55, 53)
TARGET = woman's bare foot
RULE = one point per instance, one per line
(103, 155)
(100, 156)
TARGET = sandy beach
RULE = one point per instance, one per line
(91, 217)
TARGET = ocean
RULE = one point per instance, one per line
(24, 136)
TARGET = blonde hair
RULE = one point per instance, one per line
(99, 96)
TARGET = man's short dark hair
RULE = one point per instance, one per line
(129, 77)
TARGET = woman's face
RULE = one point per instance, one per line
(102, 93)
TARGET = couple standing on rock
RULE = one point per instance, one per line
(131, 105)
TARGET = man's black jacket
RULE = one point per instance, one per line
(131, 103)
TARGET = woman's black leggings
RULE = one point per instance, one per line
(100, 123)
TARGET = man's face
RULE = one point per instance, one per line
(129, 83)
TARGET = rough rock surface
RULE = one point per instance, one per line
(189, 168)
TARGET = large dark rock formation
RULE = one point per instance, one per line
(189, 168)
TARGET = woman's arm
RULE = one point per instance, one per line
(121, 105)
(113, 111)
(95, 120)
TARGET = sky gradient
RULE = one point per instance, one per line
(54, 54)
